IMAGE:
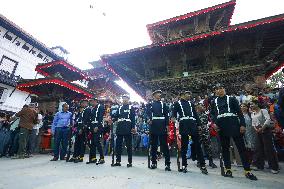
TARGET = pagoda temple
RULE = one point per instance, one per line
(102, 82)
(58, 84)
(199, 49)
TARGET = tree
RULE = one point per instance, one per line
(276, 80)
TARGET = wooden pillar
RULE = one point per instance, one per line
(207, 22)
(195, 23)
(183, 56)
(147, 72)
(258, 46)
(168, 65)
(218, 23)
(227, 51)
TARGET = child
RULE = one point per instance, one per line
(204, 133)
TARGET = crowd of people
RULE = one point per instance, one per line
(20, 134)
(252, 124)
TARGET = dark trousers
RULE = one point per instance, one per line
(96, 144)
(281, 120)
(34, 142)
(240, 144)
(14, 143)
(164, 148)
(128, 142)
(5, 142)
(106, 147)
(197, 148)
(80, 145)
(265, 148)
(60, 141)
(23, 141)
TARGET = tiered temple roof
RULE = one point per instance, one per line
(66, 70)
(229, 47)
(102, 81)
(57, 83)
(200, 21)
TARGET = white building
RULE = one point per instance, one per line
(19, 55)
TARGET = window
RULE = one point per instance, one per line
(1, 91)
(25, 47)
(18, 43)
(9, 37)
(40, 56)
(2, 31)
(46, 59)
(7, 64)
(33, 51)
(3, 94)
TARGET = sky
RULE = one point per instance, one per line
(111, 25)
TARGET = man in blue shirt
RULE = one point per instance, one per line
(60, 129)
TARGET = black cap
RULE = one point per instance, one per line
(126, 96)
(283, 70)
(157, 91)
(185, 92)
(84, 100)
(218, 85)
(95, 99)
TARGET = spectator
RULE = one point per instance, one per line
(28, 117)
(250, 134)
(264, 141)
(60, 129)
(47, 121)
(281, 106)
(34, 141)
(4, 134)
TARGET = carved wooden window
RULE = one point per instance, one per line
(40, 55)
(27, 48)
(7, 64)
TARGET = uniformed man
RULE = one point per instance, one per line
(157, 113)
(189, 122)
(230, 122)
(96, 128)
(81, 124)
(125, 117)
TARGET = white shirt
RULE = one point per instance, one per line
(261, 118)
(39, 125)
(60, 106)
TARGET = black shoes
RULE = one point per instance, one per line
(228, 173)
(212, 164)
(78, 160)
(117, 164)
(183, 169)
(129, 165)
(250, 176)
(153, 166)
(203, 170)
(94, 160)
(168, 168)
(101, 161)
(198, 164)
(71, 160)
